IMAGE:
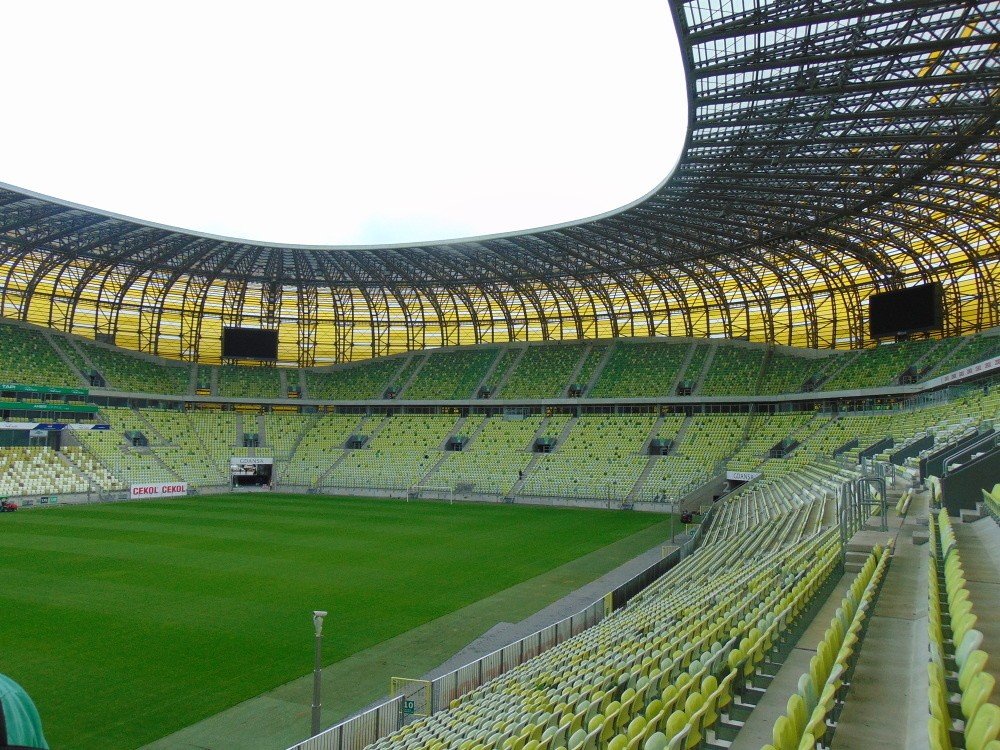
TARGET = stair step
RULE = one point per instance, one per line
(970, 516)
(920, 536)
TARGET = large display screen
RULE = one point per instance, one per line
(249, 343)
(911, 310)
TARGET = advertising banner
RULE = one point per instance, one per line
(175, 489)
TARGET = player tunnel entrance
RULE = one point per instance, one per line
(251, 472)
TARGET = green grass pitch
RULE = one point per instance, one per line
(128, 621)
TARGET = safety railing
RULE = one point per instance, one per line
(385, 718)
(359, 731)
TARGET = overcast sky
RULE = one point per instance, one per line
(342, 122)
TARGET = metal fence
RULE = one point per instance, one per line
(386, 718)
(457, 683)
(360, 731)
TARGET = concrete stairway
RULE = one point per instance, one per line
(489, 372)
(413, 375)
(887, 704)
(682, 369)
(54, 345)
(713, 348)
(498, 393)
(886, 707)
(576, 370)
(599, 369)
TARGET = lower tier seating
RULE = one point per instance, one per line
(662, 672)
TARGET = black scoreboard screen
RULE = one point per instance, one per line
(912, 310)
(249, 343)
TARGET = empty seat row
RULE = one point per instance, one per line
(959, 685)
(811, 712)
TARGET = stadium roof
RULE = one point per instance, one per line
(835, 147)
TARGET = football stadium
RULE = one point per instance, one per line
(718, 469)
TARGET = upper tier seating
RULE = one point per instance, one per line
(590, 364)
(399, 381)
(877, 367)
(362, 381)
(451, 375)
(27, 358)
(545, 371)
(131, 373)
(696, 364)
(788, 373)
(641, 369)
(507, 356)
(735, 371)
(967, 351)
(249, 382)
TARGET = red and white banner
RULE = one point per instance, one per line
(158, 490)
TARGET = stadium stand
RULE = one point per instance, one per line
(27, 358)
(959, 686)
(880, 366)
(492, 381)
(663, 672)
(696, 364)
(600, 457)
(545, 371)
(131, 373)
(38, 471)
(451, 375)
(495, 458)
(401, 378)
(181, 450)
(787, 373)
(401, 452)
(319, 448)
(702, 443)
(966, 351)
(249, 382)
(810, 715)
(641, 369)
(358, 382)
(129, 464)
(590, 365)
(762, 432)
(735, 371)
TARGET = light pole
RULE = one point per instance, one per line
(317, 704)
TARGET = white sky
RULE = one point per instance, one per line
(342, 122)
